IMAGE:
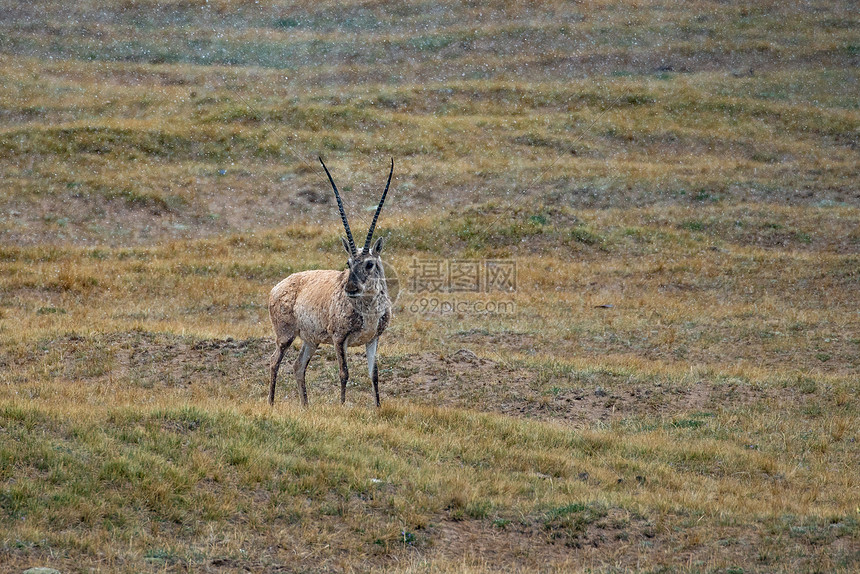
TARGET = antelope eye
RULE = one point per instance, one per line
(369, 265)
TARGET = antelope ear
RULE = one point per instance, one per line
(377, 247)
(346, 245)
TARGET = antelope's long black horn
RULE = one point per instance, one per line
(378, 209)
(342, 213)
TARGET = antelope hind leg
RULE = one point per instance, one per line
(275, 364)
(300, 366)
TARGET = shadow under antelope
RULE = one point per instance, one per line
(343, 308)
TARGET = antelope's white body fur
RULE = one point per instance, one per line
(314, 306)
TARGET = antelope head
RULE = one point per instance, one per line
(366, 276)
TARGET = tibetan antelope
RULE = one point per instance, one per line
(343, 308)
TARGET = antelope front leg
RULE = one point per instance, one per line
(340, 351)
(372, 370)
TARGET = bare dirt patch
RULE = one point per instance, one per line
(465, 380)
(155, 362)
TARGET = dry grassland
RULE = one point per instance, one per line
(671, 384)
